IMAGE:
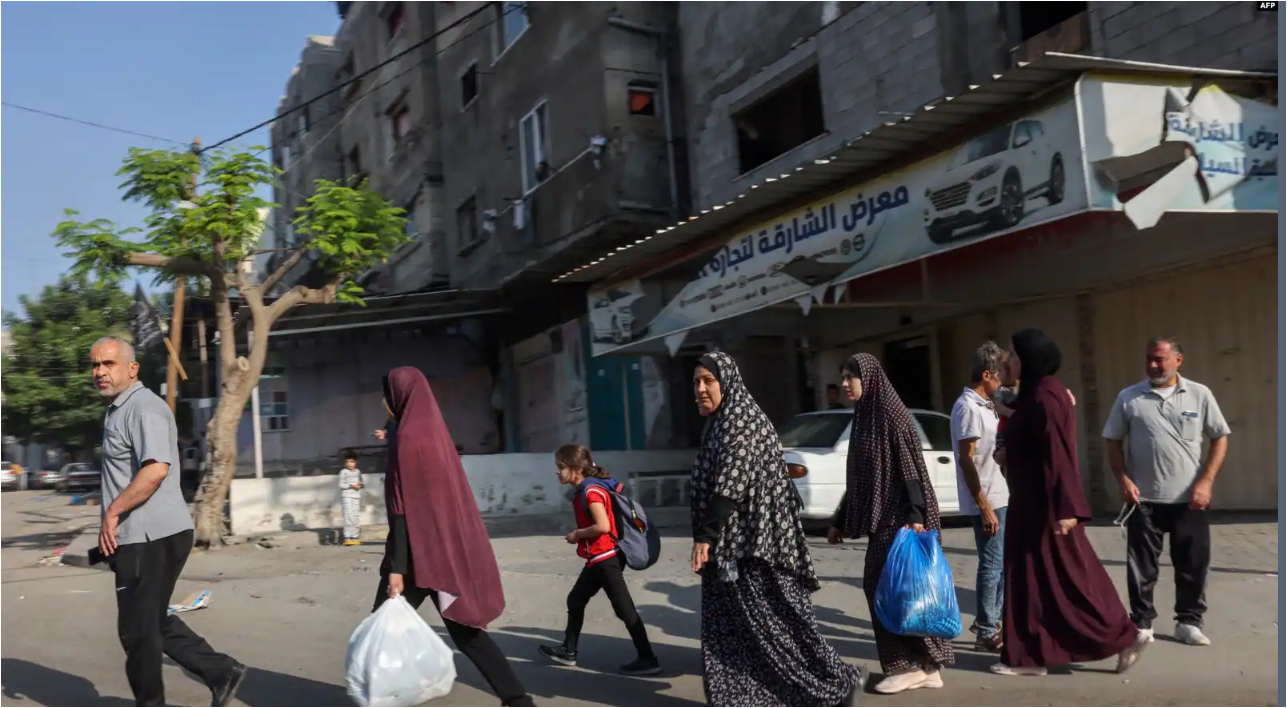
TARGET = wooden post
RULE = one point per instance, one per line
(176, 322)
(201, 345)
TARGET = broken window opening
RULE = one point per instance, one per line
(1037, 17)
(780, 122)
(469, 85)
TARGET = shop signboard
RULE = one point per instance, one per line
(1018, 174)
(1155, 147)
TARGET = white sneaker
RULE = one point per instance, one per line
(1191, 635)
(933, 679)
(1001, 669)
(1148, 633)
(1131, 654)
(906, 681)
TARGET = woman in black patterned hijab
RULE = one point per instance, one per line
(760, 642)
(887, 488)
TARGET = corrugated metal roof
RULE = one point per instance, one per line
(882, 145)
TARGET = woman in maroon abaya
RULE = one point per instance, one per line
(437, 546)
(1060, 605)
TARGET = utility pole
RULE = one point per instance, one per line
(176, 320)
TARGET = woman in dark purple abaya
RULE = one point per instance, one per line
(1060, 605)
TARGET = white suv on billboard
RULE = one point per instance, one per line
(993, 178)
(611, 319)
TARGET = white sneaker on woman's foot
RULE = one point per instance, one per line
(905, 681)
(1131, 654)
(1005, 670)
(933, 679)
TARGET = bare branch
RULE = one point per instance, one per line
(301, 295)
(271, 281)
(174, 265)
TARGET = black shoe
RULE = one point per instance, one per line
(989, 645)
(643, 666)
(520, 701)
(222, 693)
(559, 655)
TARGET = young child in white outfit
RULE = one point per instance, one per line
(351, 498)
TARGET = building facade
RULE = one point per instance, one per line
(517, 138)
(950, 172)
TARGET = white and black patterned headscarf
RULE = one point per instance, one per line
(885, 456)
(741, 459)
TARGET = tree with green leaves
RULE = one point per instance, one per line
(48, 393)
(204, 223)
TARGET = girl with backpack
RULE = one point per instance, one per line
(595, 540)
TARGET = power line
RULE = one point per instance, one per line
(91, 124)
(356, 78)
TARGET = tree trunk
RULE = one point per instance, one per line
(211, 497)
(213, 494)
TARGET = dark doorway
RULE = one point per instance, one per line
(907, 364)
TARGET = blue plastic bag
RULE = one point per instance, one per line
(916, 596)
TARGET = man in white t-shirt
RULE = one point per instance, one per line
(982, 487)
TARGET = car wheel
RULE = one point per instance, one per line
(1055, 193)
(1010, 212)
(61, 487)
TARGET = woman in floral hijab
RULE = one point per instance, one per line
(760, 642)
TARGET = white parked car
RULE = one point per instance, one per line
(992, 180)
(611, 319)
(817, 449)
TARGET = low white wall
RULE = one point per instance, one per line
(504, 485)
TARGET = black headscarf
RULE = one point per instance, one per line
(1039, 357)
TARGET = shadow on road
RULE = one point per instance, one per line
(24, 680)
(596, 679)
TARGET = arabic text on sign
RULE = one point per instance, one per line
(785, 235)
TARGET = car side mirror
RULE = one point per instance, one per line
(1020, 142)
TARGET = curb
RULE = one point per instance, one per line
(76, 553)
(497, 527)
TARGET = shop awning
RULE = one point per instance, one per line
(923, 133)
(389, 311)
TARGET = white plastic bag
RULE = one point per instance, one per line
(396, 659)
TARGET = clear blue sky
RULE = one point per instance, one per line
(177, 70)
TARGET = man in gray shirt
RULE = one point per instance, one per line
(1162, 421)
(146, 533)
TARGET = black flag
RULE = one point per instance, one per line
(145, 325)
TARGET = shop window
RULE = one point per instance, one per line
(780, 122)
(1037, 17)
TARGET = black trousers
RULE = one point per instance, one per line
(1190, 532)
(474, 643)
(606, 575)
(146, 574)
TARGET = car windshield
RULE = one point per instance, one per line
(990, 144)
(814, 430)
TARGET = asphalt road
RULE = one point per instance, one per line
(288, 612)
